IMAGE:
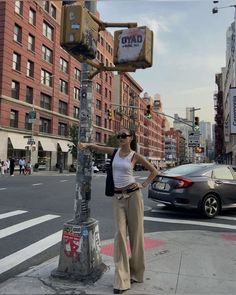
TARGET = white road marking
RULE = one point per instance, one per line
(25, 224)
(172, 212)
(226, 217)
(22, 255)
(141, 178)
(12, 213)
(3, 188)
(63, 180)
(179, 221)
(34, 184)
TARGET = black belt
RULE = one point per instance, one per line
(127, 191)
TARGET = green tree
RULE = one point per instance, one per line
(73, 132)
(112, 141)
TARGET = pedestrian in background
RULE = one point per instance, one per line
(12, 166)
(8, 165)
(2, 167)
(22, 165)
(128, 209)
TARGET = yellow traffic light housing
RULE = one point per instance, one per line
(110, 114)
(134, 47)
(79, 31)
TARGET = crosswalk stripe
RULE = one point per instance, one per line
(35, 184)
(63, 180)
(3, 188)
(226, 217)
(179, 221)
(22, 255)
(25, 224)
(12, 213)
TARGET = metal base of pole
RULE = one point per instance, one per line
(80, 257)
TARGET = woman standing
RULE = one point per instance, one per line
(128, 209)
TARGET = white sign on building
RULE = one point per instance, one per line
(232, 101)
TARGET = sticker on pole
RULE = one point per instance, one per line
(133, 47)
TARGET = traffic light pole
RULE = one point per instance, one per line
(80, 246)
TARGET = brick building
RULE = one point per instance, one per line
(37, 74)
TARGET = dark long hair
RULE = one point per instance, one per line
(133, 143)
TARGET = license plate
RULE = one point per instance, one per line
(162, 186)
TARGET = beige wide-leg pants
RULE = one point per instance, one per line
(128, 214)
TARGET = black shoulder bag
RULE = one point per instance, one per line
(110, 188)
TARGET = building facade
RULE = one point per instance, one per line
(38, 77)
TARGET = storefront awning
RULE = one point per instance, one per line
(18, 141)
(64, 145)
(47, 145)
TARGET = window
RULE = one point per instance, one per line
(15, 89)
(28, 125)
(17, 33)
(63, 65)
(46, 78)
(46, 5)
(16, 62)
(106, 92)
(29, 94)
(47, 54)
(102, 41)
(99, 88)
(45, 125)
(45, 101)
(31, 42)
(105, 138)
(48, 31)
(98, 137)
(62, 107)
(19, 7)
(30, 69)
(98, 104)
(63, 86)
(62, 129)
(76, 93)
(53, 11)
(77, 74)
(110, 80)
(223, 173)
(32, 17)
(98, 120)
(105, 123)
(76, 112)
(14, 118)
(106, 77)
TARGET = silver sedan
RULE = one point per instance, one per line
(206, 187)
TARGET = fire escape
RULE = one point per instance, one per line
(219, 126)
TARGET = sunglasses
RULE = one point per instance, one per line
(123, 136)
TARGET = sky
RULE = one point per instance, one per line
(189, 49)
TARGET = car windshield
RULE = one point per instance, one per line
(185, 169)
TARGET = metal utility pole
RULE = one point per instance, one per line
(80, 247)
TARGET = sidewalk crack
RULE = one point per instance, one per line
(180, 262)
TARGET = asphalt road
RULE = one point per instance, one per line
(34, 208)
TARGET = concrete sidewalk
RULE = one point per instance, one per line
(178, 262)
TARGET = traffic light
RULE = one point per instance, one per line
(196, 123)
(148, 112)
(109, 114)
(79, 31)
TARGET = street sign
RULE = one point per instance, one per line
(193, 138)
(32, 117)
(31, 141)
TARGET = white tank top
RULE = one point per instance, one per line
(122, 169)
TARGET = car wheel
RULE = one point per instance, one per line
(210, 206)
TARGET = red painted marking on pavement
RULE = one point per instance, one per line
(229, 237)
(148, 244)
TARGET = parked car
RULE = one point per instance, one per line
(95, 169)
(206, 187)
